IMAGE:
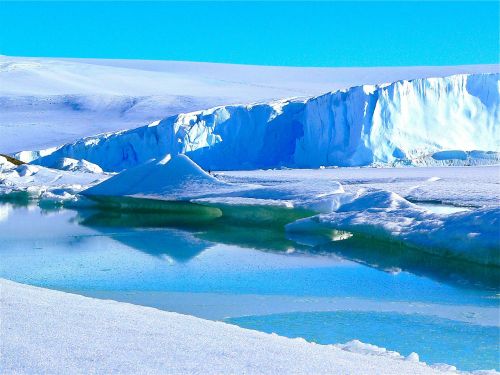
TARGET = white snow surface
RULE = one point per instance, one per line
(470, 235)
(458, 186)
(430, 121)
(45, 331)
(61, 100)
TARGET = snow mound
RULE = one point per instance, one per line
(402, 122)
(470, 235)
(356, 346)
(69, 164)
(169, 178)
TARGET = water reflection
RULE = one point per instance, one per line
(394, 258)
(271, 237)
(185, 266)
(225, 230)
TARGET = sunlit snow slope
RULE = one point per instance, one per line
(422, 122)
(46, 102)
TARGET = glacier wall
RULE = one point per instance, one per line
(372, 124)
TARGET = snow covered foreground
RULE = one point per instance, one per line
(453, 120)
(61, 100)
(45, 331)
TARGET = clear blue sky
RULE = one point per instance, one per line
(268, 33)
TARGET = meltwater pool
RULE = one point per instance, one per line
(256, 277)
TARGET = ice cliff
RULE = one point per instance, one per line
(403, 122)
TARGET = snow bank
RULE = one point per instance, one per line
(401, 122)
(46, 331)
(470, 235)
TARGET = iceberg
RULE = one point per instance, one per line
(177, 186)
(428, 121)
(178, 179)
(169, 178)
(75, 98)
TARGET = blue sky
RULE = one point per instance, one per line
(267, 33)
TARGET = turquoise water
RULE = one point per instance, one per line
(465, 345)
(257, 277)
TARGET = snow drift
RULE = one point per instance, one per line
(167, 178)
(403, 122)
(470, 235)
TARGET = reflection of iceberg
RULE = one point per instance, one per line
(190, 239)
(395, 258)
(226, 230)
(179, 245)
(259, 237)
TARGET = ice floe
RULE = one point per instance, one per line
(31, 182)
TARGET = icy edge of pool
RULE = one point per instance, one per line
(131, 338)
(469, 235)
(468, 347)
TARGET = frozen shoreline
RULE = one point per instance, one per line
(68, 333)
